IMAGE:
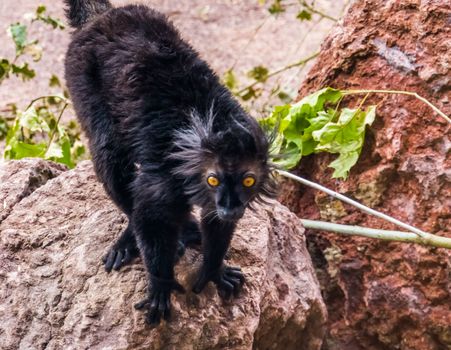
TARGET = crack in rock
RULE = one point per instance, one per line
(20, 178)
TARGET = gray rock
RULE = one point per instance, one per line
(20, 178)
(55, 293)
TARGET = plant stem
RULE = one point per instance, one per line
(386, 235)
(56, 126)
(280, 70)
(423, 235)
(398, 92)
(314, 10)
(47, 96)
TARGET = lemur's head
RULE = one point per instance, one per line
(225, 165)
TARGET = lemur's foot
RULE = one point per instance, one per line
(158, 303)
(122, 252)
(229, 280)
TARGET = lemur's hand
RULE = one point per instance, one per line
(229, 280)
(158, 303)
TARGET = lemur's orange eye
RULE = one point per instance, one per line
(213, 181)
(248, 181)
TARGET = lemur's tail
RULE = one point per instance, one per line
(79, 12)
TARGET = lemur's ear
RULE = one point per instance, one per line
(191, 147)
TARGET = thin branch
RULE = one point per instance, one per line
(280, 70)
(398, 92)
(47, 96)
(318, 12)
(424, 235)
(56, 126)
(251, 39)
(386, 235)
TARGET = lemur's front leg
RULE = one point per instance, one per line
(156, 225)
(216, 237)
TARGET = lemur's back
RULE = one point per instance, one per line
(128, 70)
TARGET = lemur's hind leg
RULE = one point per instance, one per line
(123, 251)
(116, 177)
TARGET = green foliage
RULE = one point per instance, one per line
(252, 92)
(230, 80)
(23, 71)
(37, 131)
(306, 10)
(259, 74)
(276, 7)
(315, 124)
(304, 15)
(41, 16)
(19, 34)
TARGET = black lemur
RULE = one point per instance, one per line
(164, 135)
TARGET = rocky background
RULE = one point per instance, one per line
(386, 295)
(55, 294)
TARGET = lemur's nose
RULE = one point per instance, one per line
(230, 214)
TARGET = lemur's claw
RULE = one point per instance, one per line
(158, 303)
(229, 280)
(158, 306)
(119, 256)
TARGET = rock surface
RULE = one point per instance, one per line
(19, 179)
(386, 295)
(55, 294)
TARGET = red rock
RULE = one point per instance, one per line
(386, 295)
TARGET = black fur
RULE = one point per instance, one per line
(80, 12)
(159, 122)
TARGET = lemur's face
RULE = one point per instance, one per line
(224, 167)
(232, 188)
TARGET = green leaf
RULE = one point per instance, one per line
(54, 81)
(250, 93)
(18, 149)
(23, 71)
(18, 33)
(67, 155)
(4, 127)
(54, 151)
(285, 97)
(54, 22)
(5, 68)
(40, 10)
(31, 120)
(290, 156)
(314, 125)
(230, 79)
(276, 118)
(60, 151)
(343, 164)
(276, 7)
(78, 149)
(314, 103)
(304, 15)
(259, 73)
(346, 137)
